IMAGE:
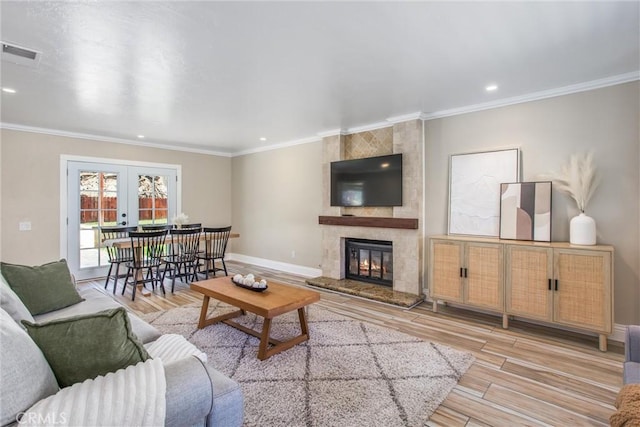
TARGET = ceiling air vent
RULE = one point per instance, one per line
(20, 55)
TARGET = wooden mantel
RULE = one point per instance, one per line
(370, 221)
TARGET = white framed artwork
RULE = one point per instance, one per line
(474, 190)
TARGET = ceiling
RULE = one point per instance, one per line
(218, 76)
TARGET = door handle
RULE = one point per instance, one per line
(556, 284)
(549, 284)
(465, 272)
(461, 270)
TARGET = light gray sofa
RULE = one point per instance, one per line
(196, 393)
(632, 355)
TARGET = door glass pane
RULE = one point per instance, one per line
(376, 261)
(364, 263)
(98, 207)
(152, 199)
(353, 261)
(387, 264)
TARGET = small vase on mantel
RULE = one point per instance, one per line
(582, 230)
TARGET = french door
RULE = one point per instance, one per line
(108, 195)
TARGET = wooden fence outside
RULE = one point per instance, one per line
(109, 207)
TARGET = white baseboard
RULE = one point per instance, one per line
(276, 265)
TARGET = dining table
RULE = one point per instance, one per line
(126, 243)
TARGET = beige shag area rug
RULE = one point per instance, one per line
(350, 373)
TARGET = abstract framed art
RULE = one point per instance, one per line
(474, 190)
(525, 211)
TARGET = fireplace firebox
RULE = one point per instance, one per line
(369, 261)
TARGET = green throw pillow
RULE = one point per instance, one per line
(42, 288)
(83, 347)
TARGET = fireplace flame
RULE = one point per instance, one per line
(364, 265)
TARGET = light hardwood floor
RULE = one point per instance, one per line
(526, 375)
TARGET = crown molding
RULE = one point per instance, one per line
(535, 96)
(566, 90)
(365, 128)
(390, 121)
(277, 146)
(56, 132)
(332, 132)
(405, 117)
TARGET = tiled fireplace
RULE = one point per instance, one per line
(406, 258)
(404, 265)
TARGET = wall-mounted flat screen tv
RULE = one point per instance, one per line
(373, 181)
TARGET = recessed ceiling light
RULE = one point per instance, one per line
(141, 136)
(262, 138)
(491, 88)
(8, 90)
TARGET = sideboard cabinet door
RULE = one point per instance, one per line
(446, 264)
(528, 284)
(467, 272)
(483, 273)
(583, 293)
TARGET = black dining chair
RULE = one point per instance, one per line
(182, 259)
(215, 246)
(116, 255)
(148, 248)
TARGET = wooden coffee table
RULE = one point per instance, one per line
(276, 300)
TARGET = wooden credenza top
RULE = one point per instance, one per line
(556, 245)
(369, 221)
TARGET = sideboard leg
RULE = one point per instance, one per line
(603, 342)
(505, 321)
(434, 307)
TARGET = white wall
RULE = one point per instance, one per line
(277, 197)
(548, 132)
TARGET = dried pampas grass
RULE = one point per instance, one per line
(577, 178)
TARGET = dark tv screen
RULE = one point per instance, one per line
(373, 181)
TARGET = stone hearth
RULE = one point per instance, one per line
(367, 290)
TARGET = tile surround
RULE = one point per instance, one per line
(406, 138)
(378, 142)
(373, 143)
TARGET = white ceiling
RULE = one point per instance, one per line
(217, 76)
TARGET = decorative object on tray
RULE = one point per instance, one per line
(249, 282)
(180, 219)
(525, 211)
(474, 190)
(579, 180)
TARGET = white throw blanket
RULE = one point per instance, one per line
(173, 347)
(134, 396)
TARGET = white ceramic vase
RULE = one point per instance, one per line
(582, 230)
